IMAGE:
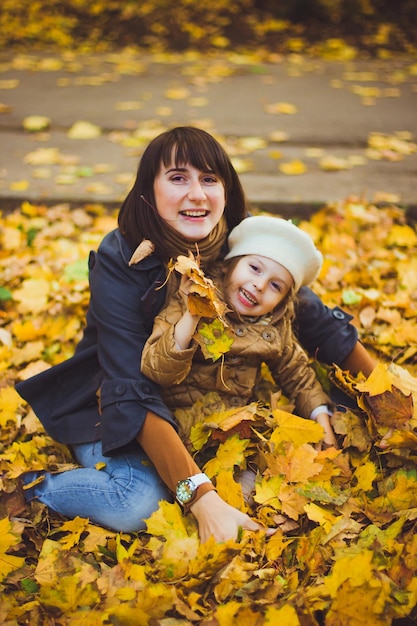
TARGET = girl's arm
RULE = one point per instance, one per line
(168, 352)
(187, 324)
(329, 437)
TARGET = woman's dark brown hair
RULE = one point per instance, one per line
(138, 217)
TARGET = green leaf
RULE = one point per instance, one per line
(77, 271)
(5, 294)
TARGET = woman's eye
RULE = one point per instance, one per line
(209, 180)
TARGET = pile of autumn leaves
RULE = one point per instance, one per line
(345, 552)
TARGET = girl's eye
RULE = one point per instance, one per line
(253, 267)
(276, 286)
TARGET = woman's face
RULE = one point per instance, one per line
(257, 285)
(190, 200)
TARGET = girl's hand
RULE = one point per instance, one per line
(218, 519)
(329, 438)
(185, 287)
(187, 324)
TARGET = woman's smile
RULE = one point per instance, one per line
(190, 200)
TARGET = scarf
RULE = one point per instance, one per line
(208, 248)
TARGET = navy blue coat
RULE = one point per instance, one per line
(123, 303)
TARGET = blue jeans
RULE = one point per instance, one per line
(119, 496)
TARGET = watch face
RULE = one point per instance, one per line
(185, 491)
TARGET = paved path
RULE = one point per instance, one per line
(299, 113)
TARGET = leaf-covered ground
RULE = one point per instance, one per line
(345, 552)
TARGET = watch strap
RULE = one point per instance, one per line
(199, 479)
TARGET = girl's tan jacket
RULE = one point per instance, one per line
(186, 376)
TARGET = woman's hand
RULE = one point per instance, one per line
(218, 519)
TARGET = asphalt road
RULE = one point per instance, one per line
(302, 132)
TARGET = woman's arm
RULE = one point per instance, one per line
(119, 322)
(172, 461)
(359, 360)
(328, 335)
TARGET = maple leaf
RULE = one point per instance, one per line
(390, 408)
(76, 528)
(284, 616)
(96, 536)
(167, 521)
(231, 453)
(144, 249)
(297, 464)
(365, 476)
(203, 298)
(229, 490)
(399, 492)
(67, 594)
(401, 439)
(51, 561)
(229, 418)
(33, 295)
(295, 429)
(10, 536)
(277, 544)
(357, 605)
(214, 339)
(292, 502)
(266, 491)
(324, 492)
(320, 515)
(379, 381)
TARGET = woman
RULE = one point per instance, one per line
(186, 192)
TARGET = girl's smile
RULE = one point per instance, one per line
(257, 285)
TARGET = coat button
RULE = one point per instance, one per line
(268, 335)
(241, 331)
(339, 315)
(119, 390)
(146, 389)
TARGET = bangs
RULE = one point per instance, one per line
(199, 151)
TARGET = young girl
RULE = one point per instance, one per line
(269, 260)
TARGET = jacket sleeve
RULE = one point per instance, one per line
(121, 325)
(326, 334)
(162, 361)
(296, 377)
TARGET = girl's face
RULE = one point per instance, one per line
(190, 200)
(257, 285)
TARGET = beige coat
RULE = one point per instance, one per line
(186, 376)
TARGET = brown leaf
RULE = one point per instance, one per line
(144, 249)
(390, 408)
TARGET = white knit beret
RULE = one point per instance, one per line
(279, 240)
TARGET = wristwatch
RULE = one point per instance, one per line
(186, 489)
